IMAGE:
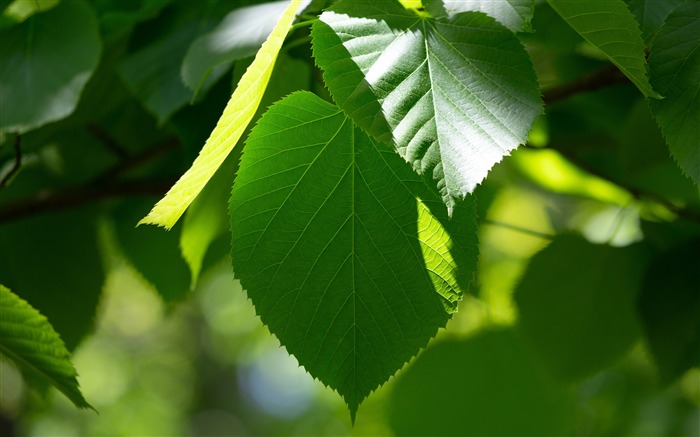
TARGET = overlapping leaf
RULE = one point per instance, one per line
(46, 62)
(610, 27)
(347, 255)
(514, 14)
(674, 69)
(454, 95)
(28, 339)
(650, 14)
(233, 122)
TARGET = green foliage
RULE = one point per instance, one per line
(29, 340)
(33, 91)
(341, 247)
(451, 109)
(350, 161)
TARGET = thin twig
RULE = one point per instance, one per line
(107, 140)
(18, 162)
(592, 82)
(517, 228)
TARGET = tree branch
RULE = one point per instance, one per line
(18, 162)
(592, 82)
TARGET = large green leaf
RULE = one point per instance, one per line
(577, 303)
(28, 339)
(238, 113)
(674, 69)
(670, 309)
(453, 95)
(610, 27)
(46, 61)
(514, 14)
(468, 387)
(239, 35)
(347, 255)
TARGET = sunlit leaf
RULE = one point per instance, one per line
(28, 339)
(674, 68)
(238, 113)
(468, 387)
(514, 14)
(46, 61)
(453, 95)
(347, 255)
(611, 28)
(577, 304)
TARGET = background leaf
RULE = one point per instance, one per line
(29, 340)
(346, 254)
(611, 28)
(674, 69)
(577, 304)
(238, 113)
(670, 309)
(46, 61)
(650, 14)
(239, 35)
(514, 14)
(444, 92)
(467, 387)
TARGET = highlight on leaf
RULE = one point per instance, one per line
(238, 113)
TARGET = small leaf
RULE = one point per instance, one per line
(577, 304)
(466, 387)
(610, 27)
(29, 340)
(674, 69)
(670, 309)
(238, 113)
(453, 95)
(46, 62)
(347, 255)
(514, 14)
(239, 35)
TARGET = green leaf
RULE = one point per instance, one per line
(467, 387)
(239, 35)
(670, 310)
(46, 61)
(650, 14)
(611, 28)
(577, 304)
(30, 341)
(674, 69)
(238, 113)
(347, 255)
(453, 95)
(54, 262)
(207, 217)
(514, 14)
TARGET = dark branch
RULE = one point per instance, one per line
(109, 142)
(595, 81)
(18, 162)
(58, 200)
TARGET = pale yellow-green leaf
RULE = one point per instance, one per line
(238, 113)
(412, 4)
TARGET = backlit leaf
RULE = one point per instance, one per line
(674, 69)
(453, 95)
(28, 339)
(610, 27)
(514, 14)
(46, 61)
(347, 255)
(238, 113)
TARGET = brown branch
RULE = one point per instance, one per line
(592, 82)
(18, 162)
(53, 201)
